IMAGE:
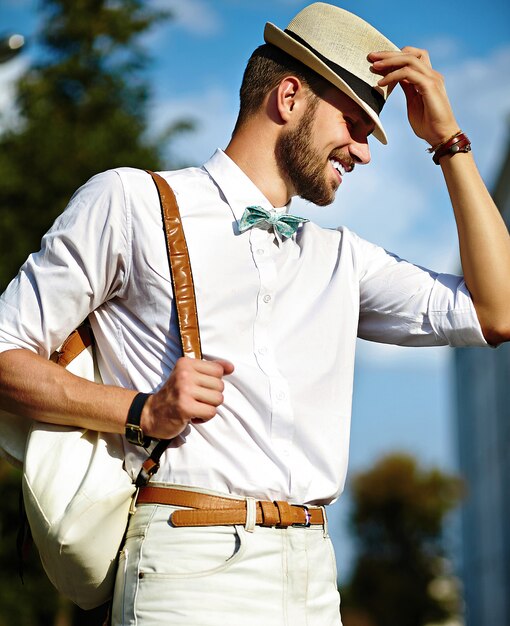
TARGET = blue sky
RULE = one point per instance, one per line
(403, 397)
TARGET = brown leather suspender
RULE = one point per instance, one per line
(180, 269)
(184, 295)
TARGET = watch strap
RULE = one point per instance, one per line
(134, 432)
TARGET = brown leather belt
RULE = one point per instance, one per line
(208, 510)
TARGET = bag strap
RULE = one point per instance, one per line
(184, 297)
(180, 269)
(79, 340)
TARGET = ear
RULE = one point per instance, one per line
(289, 94)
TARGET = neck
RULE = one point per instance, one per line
(252, 150)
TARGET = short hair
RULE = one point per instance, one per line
(267, 66)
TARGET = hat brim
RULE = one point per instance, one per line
(277, 37)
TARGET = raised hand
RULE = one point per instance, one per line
(428, 108)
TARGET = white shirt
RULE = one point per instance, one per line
(285, 313)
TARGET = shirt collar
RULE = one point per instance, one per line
(239, 190)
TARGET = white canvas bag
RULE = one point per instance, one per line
(77, 497)
(77, 494)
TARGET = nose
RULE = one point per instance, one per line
(360, 152)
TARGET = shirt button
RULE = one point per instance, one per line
(280, 395)
(267, 298)
(262, 350)
(260, 251)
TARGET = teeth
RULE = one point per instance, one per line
(338, 166)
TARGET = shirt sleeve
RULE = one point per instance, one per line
(408, 305)
(83, 262)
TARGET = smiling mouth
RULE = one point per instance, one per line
(339, 167)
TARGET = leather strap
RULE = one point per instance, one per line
(78, 341)
(184, 297)
(180, 268)
(458, 143)
(209, 510)
(134, 433)
(182, 282)
(269, 513)
(185, 497)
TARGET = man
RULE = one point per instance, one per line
(265, 416)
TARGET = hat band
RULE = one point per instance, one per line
(362, 89)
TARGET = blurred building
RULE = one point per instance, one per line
(483, 427)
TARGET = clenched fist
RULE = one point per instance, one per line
(191, 394)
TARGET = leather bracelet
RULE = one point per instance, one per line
(134, 432)
(458, 143)
(442, 143)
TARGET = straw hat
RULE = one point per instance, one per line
(335, 44)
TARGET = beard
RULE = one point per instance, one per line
(301, 164)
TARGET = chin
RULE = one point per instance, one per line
(322, 201)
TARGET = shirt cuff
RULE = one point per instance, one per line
(452, 314)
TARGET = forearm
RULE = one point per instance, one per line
(44, 391)
(483, 237)
(484, 245)
(41, 390)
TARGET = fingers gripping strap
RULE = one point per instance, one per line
(180, 269)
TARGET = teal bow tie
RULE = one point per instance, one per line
(282, 223)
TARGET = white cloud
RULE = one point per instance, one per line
(214, 112)
(195, 16)
(480, 91)
(443, 48)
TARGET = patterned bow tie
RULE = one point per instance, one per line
(283, 224)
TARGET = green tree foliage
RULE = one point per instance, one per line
(82, 108)
(401, 577)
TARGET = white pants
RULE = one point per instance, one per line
(224, 575)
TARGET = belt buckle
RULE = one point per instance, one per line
(308, 517)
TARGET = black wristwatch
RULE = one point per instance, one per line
(134, 432)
